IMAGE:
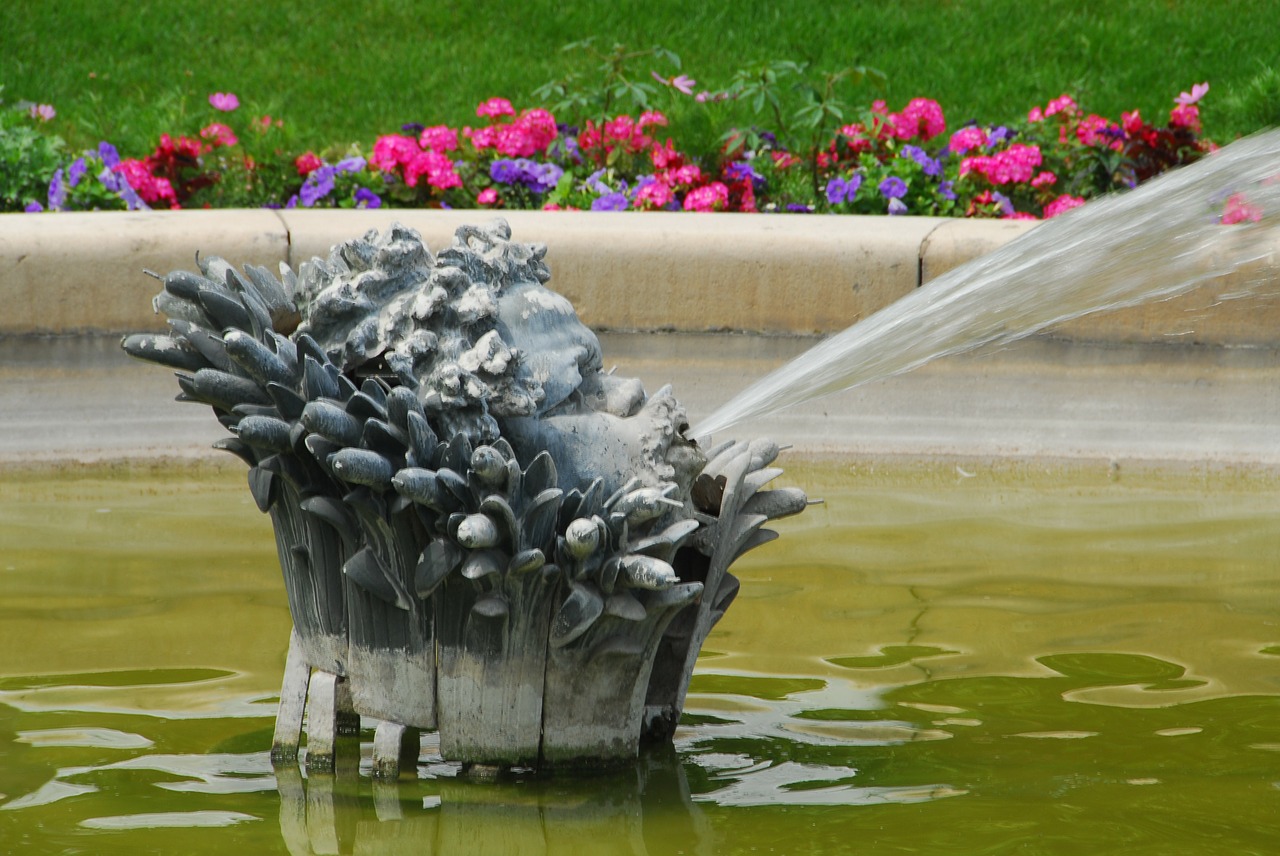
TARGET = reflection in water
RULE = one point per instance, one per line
(1070, 669)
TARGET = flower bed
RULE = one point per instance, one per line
(889, 162)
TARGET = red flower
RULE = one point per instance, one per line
(307, 164)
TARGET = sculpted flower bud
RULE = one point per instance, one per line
(583, 537)
(477, 531)
(488, 464)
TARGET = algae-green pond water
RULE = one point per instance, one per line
(939, 659)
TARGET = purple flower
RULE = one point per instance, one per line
(224, 101)
(318, 185)
(33, 208)
(115, 182)
(351, 164)
(614, 201)
(945, 190)
(741, 171)
(897, 206)
(76, 171)
(366, 198)
(110, 157)
(57, 192)
(998, 135)
(414, 128)
(836, 188)
(931, 167)
(893, 188)
(1005, 203)
(798, 208)
(503, 171)
(843, 190)
(593, 182)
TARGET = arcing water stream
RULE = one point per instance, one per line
(1154, 242)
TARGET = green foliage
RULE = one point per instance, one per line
(28, 159)
(613, 85)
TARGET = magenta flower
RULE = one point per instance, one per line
(440, 138)
(1197, 92)
(224, 101)
(488, 196)
(968, 137)
(495, 107)
(655, 194)
(709, 197)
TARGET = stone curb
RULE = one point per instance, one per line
(80, 273)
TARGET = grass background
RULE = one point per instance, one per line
(340, 72)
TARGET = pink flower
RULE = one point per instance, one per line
(967, 138)
(1093, 129)
(620, 128)
(1197, 92)
(151, 188)
(495, 107)
(483, 138)
(1044, 179)
(921, 118)
(1061, 204)
(538, 127)
(1062, 104)
(664, 155)
(687, 174)
(1014, 165)
(651, 117)
(219, 134)
(440, 138)
(682, 83)
(392, 151)
(655, 194)
(224, 101)
(709, 197)
(488, 196)
(1035, 115)
(1020, 215)
(513, 141)
(307, 163)
(1185, 116)
(43, 112)
(436, 167)
(977, 163)
(1240, 210)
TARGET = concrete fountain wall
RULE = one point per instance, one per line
(1194, 379)
(798, 275)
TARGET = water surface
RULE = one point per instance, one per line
(943, 658)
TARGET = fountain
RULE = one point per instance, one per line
(484, 533)
(1152, 243)
(480, 530)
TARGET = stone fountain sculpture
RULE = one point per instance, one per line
(481, 531)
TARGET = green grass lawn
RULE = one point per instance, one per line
(339, 72)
